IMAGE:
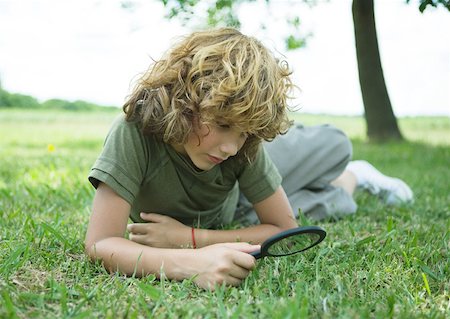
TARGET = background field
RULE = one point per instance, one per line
(381, 262)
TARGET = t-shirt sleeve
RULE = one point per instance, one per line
(123, 160)
(259, 179)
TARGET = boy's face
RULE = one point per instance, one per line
(210, 145)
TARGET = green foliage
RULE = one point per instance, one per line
(220, 13)
(68, 105)
(224, 13)
(297, 38)
(16, 100)
(223, 16)
(383, 262)
(293, 43)
(423, 4)
(179, 8)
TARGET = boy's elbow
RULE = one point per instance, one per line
(93, 246)
(89, 250)
(288, 223)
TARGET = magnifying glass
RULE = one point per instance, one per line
(290, 242)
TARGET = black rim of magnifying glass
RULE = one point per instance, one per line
(288, 233)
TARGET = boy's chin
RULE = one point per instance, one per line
(203, 166)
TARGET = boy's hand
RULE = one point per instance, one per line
(226, 263)
(161, 231)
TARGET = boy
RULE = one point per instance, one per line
(187, 158)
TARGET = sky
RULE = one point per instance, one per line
(93, 50)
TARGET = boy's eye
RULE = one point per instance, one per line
(226, 127)
(223, 125)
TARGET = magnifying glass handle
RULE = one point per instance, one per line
(256, 254)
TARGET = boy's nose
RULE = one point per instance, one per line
(229, 148)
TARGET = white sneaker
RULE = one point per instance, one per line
(393, 190)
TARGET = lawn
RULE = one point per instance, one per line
(382, 262)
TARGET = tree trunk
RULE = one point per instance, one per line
(380, 119)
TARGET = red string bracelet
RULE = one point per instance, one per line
(194, 245)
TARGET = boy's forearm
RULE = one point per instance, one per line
(253, 234)
(130, 258)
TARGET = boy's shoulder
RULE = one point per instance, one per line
(122, 127)
(130, 132)
(120, 121)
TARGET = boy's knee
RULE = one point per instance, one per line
(340, 144)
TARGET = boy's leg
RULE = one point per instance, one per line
(347, 180)
(309, 159)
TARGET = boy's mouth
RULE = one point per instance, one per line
(215, 160)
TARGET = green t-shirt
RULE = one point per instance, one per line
(151, 176)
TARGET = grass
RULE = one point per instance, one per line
(382, 262)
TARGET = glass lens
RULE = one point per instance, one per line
(293, 244)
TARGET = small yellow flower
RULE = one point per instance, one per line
(51, 148)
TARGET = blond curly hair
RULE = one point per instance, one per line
(216, 76)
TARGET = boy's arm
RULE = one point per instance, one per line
(217, 264)
(274, 212)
